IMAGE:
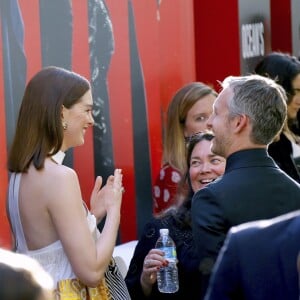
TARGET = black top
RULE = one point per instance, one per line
(282, 153)
(259, 261)
(180, 231)
(252, 188)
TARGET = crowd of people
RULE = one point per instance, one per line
(228, 192)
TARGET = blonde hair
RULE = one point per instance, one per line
(174, 148)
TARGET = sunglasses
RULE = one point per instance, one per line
(199, 136)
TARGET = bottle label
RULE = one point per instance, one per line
(170, 253)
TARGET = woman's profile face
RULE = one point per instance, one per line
(205, 167)
(294, 105)
(78, 119)
(198, 115)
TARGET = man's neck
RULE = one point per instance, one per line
(245, 147)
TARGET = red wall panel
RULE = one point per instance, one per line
(216, 40)
(121, 115)
(84, 155)
(148, 25)
(281, 25)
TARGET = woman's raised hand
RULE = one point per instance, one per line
(109, 196)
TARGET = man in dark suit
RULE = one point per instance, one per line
(259, 261)
(248, 113)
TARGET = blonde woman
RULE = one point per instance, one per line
(187, 114)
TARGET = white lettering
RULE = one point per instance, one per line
(253, 42)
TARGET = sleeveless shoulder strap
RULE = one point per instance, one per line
(14, 213)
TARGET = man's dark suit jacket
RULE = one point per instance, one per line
(259, 261)
(252, 188)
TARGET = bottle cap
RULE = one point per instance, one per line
(164, 231)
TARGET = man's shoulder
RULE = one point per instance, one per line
(251, 173)
(266, 224)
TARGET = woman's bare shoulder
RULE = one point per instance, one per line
(61, 181)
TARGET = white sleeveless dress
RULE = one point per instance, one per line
(53, 257)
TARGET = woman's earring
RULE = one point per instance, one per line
(65, 125)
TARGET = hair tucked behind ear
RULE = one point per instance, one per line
(39, 129)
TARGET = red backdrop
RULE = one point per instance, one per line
(168, 41)
(166, 51)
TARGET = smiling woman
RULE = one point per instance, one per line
(77, 119)
(203, 168)
(46, 209)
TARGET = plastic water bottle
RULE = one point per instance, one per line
(167, 277)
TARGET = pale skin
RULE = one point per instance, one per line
(292, 109)
(205, 167)
(197, 116)
(294, 106)
(52, 209)
(231, 134)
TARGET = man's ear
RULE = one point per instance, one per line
(240, 122)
